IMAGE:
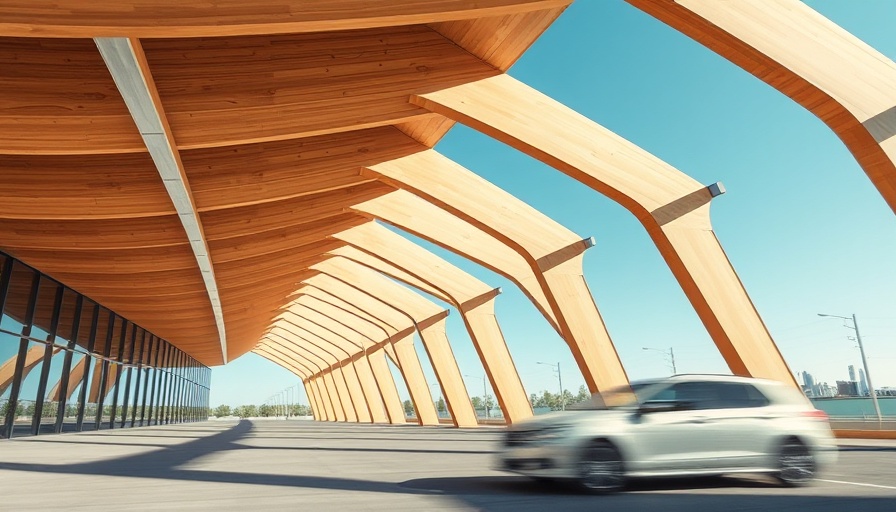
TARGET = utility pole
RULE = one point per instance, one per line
(556, 368)
(855, 327)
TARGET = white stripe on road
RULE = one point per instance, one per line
(857, 483)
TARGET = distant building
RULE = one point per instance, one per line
(863, 384)
(852, 373)
(847, 388)
(809, 385)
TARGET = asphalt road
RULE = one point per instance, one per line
(295, 464)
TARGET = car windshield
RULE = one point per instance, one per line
(620, 397)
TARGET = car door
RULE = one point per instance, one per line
(737, 425)
(674, 438)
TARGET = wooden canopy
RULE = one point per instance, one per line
(212, 171)
(184, 164)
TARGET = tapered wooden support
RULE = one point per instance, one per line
(839, 78)
(340, 325)
(672, 206)
(313, 400)
(74, 380)
(7, 371)
(426, 316)
(397, 257)
(416, 381)
(553, 252)
(362, 323)
(357, 371)
(326, 406)
(94, 392)
(359, 411)
(276, 345)
(338, 354)
(339, 395)
(387, 387)
(364, 335)
(397, 325)
(401, 324)
(322, 353)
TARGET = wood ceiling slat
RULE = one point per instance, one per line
(239, 248)
(81, 187)
(293, 213)
(257, 173)
(93, 234)
(226, 91)
(57, 97)
(119, 261)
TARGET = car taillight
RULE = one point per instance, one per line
(816, 414)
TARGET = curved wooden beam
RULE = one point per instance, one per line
(374, 409)
(672, 206)
(373, 329)
(342, 407)
(376, 247)
(339, 365)
(379, 387)
(421, 218)
(400, 328)
(429, 320)
(553, 252)
(833, 74)
(159, 19)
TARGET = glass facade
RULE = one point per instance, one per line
(68, 364)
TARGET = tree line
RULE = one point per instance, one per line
(546, 399)
(260, 411)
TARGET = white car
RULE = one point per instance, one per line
(683, 425)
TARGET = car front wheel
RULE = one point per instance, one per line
(601, 470)
(796, 464)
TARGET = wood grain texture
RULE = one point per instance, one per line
(395, 323)
(416, 216)
(57, 97)
(384, 251)
(546, 246)
(270, 88)
(154, 19)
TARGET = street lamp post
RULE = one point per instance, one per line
(556, 368)
(855, 327)
(669, 353)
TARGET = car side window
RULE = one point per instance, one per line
(712, 395)
(700, 395)
(736, 395)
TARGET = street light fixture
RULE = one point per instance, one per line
(484, 392)
(855, 327)
(669, 353)
(556, 368)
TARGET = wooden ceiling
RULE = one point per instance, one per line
(271, 113)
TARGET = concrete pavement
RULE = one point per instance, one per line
(295, 464)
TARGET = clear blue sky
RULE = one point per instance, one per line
(801, 223)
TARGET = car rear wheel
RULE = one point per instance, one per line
(797, 466)
(601, 470)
